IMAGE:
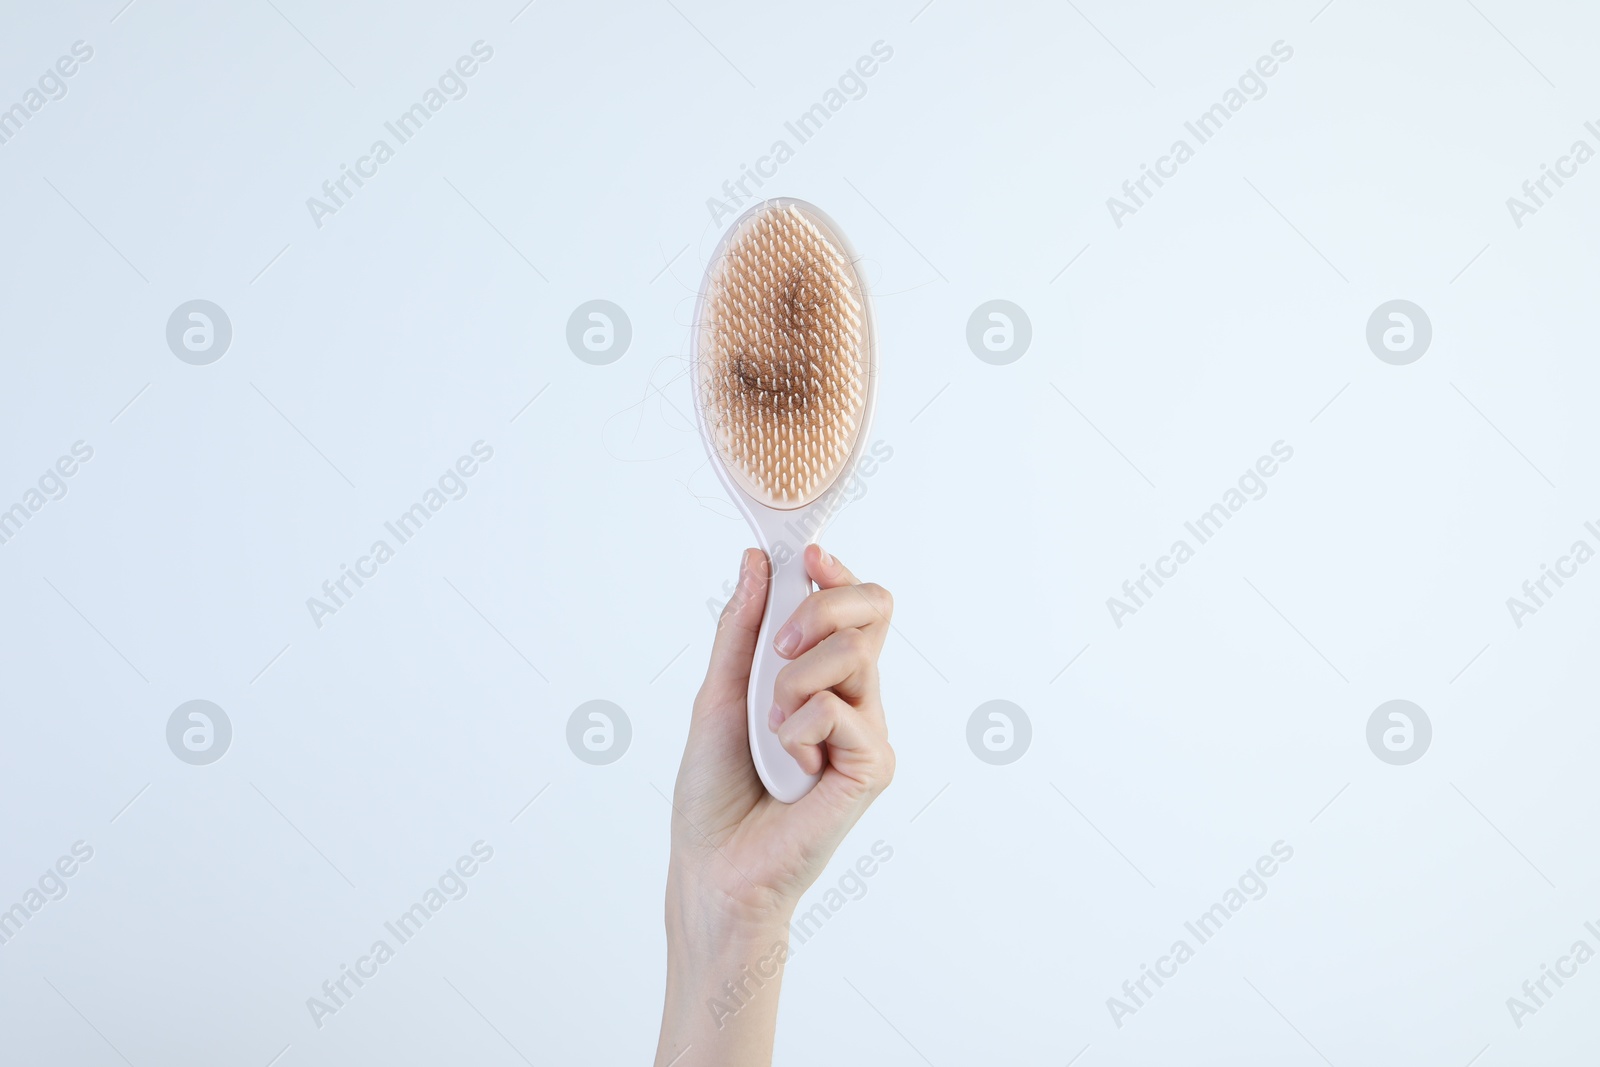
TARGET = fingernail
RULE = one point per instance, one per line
(825, 559)
(774, 718)
(788, 639)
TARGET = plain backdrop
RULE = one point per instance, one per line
(430, 312)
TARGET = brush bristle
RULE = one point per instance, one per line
(782, 357)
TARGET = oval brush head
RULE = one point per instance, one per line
(784, 377)
(782, 355)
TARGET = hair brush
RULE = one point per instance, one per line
(784, 374)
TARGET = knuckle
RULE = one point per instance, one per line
(880, 597)
(885, 769)
(816, 611)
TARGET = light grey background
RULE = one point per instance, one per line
(1227, 314)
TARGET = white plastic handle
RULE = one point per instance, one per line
(779, 772)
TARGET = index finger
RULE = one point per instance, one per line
(829, 573)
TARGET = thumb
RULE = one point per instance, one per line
(734, 647)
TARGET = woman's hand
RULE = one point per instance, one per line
(740, 859)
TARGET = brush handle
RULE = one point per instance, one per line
(779, 772)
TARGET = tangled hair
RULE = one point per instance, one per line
(781, 357)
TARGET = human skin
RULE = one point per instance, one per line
(740, 859)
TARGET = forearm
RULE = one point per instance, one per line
(723, 979)
(741, 859)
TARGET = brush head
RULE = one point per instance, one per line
(783, 354)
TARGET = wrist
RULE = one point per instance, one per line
(704, 917)
(724, 971)
(734, 972)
